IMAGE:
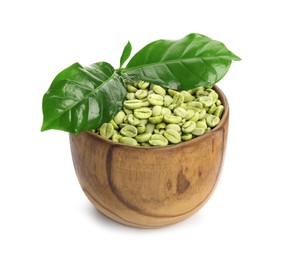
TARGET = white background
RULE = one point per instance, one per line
(45, 215)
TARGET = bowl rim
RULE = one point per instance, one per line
(220, 126)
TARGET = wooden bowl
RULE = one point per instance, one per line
(150, 187)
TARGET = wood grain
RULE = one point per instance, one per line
(150, 187)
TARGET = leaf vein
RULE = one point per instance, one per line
(81, 100)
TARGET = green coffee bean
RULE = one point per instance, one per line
(195, 118)
(197, 89)
(116, 137)
(131, 119)
(133, 104)
(143, 84)
(172, 92)
(165, 111)
(198, 131)
(172, 106)
(186, 137)
(206, 101)
(209, 88)
(143, 121)
(130, 96)
(208, 130)
(144, 100)
(159, 90)
(214, 96)
(160, 126)
(115, 132)
(156, 119)
(182, 122)
(131, 88)
(219, 111)
(129, 131)
(142, 113)
(189, 113)
(155, 99)
(202, 124)
(156, 131)
(172, 119)
(202, 114)
(173, 127)
(195, 109)
(212, 120)
(201, 93)
(188, 127)
(187, 96)
(143, 137)
(158, 140)
(128, 141)
(106, 130)
(114, 124)
(184, 106)
(195, 104)
(212, 109)
(156, 111)
(141, 128)
(119, 118)
(172, 136)
(178, 99)
(145, 103)
(150, 117)
(141, 93)
(149, 128)
(180, 112)
(167, 100)
(127, 111)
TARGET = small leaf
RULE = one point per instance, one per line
(81, 98)
(192, 61)
(126, 54)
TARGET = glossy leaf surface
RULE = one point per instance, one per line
(81, 98)
(192, 61)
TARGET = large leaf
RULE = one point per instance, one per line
(81, 98)
(126, 54)
(192, 61)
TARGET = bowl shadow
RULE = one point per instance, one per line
(101, 219)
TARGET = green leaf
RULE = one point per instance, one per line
(192, 61)
(126, 54)
(81, 98)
